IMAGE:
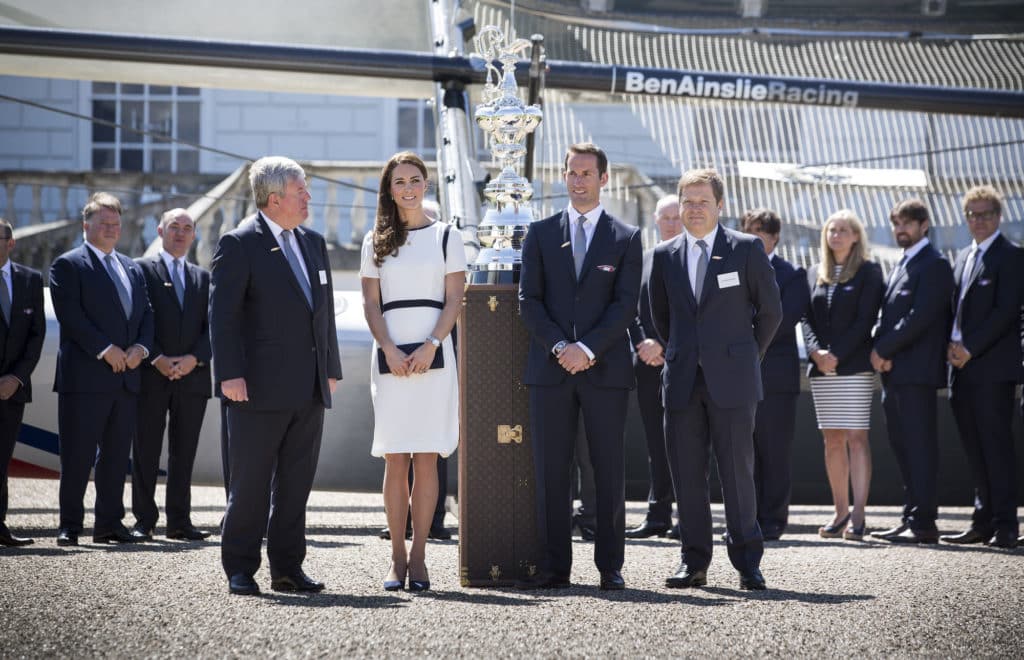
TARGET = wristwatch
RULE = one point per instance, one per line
(433, 340)
(559, 347)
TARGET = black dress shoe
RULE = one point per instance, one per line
(543, 581)
(66, 537)
(969, 536)
(647, 529)
(752, 580)
(612, 581)
(685, 578)
(674, 532)
(297, 581)
(1002, 540)
(119, 534)
(12, 541)
(141, 534)
(189, 533)
(911, 536)
(241, 584)
(439, 534)
(887, 533)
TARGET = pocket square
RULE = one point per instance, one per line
(848, 287)
(606, 268)
(985, 282)
(28, 310)
(168, 284)
(905, 292)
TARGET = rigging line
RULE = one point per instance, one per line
(926, 152)
(165, 138)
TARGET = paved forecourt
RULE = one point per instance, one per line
(825, 597)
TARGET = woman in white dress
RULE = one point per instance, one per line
(413, 276)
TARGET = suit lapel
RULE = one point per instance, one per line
(277, 255)
(99, 270)
(958, 271)
(312, 267)
(679, 254)
(720, 253)
(602, 238)
(565, 247)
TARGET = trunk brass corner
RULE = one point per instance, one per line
(508, 434)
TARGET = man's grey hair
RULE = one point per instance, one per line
(667, 200)
(170, 216)
(271, 174)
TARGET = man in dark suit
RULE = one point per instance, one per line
(984, 355)
(774, 423)
(106, 330)
(276, 361)
(22, 330)
(910, 352)
(716, 306)
(577, 296)
(649, 358)
(176, 382)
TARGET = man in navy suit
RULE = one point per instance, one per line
(774, 423)
(22, 330)
(175, 383)
(577, 296)
(650, 357)
(984, 355)
(716, 306)
(276, 362)
(106, 330)
(910, 352)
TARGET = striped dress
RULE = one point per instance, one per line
(842, 402)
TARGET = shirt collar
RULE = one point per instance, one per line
(100, 254)
(169, 259)
(771, 255)
(592, 216)
(691, 240)
(982, 247)
(7, 267)
(912, 251)
(275, 228)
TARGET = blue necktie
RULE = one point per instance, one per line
(702, 270)
(179, 286)
(579, 248)
(293, 261)
(122, 293)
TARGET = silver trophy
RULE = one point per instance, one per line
(506, 121)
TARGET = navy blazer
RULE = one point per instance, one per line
(728, 332)
(642, 326)
(990, 318)
(913, 329)
(261, 327)
(91, 318)
(21, 341)
(596, 310)
(844, 328)
(780, 368)
(177, 330)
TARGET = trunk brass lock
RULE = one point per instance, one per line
(492, 302)
(508, 434)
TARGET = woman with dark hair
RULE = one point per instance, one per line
(846, 292)
(413, 274)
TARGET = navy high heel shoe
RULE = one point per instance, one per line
(834, 531)
(419, 585)
(395, 585)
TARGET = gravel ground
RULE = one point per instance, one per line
(825, 597)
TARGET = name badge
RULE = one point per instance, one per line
(323, 277)
(726, 280)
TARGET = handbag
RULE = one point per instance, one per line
(382, 363)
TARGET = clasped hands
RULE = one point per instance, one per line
(175, 367)
(417, 362)
(574, 359)
(957, 354)
(8, 386)
(827, 362)
(651, 353)
(121, 360)
(880, 364)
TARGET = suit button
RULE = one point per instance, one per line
(313, 348)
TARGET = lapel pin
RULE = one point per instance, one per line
(276, 249)
(566, 244)
(715, 256)
(168, 284)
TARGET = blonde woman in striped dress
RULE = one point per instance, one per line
(846, 292)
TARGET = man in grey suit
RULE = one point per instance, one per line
(276, 363)
(716, 306)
